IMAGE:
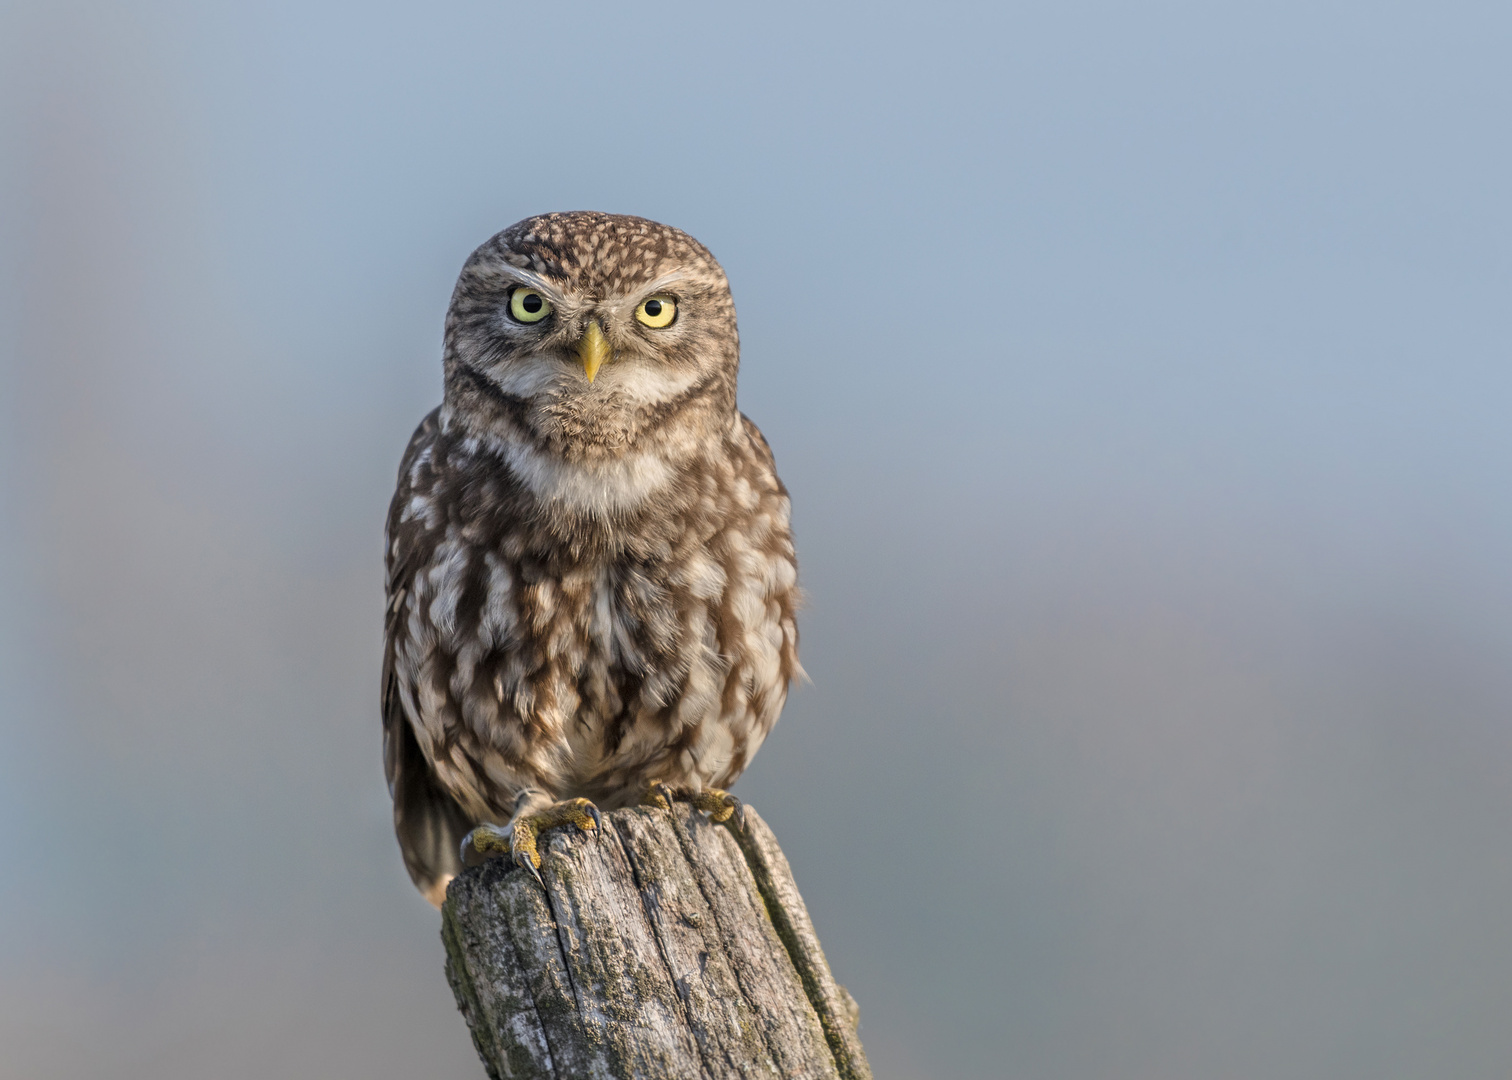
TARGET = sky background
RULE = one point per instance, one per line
(1141, 375)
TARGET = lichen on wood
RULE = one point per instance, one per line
(666, 947)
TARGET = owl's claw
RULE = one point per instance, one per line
(487, 840)
(720, 805)
(527, 864)
(659, 794)
(527, 827)
(518, 838)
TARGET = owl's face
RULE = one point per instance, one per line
(586, 332)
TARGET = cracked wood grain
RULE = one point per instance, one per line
(668, 947)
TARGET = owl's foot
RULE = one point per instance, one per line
(658, 795)
(518, 838)
(719, 805)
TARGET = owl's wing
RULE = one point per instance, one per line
(429, 823)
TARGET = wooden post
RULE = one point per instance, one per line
(669, 947)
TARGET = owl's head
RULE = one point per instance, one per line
(588, 333)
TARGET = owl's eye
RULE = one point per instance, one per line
(657, 312)
(528, 306)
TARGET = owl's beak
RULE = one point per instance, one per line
(593, 349)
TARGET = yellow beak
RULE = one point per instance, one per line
(593, 350)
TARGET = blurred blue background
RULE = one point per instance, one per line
(1141, 374)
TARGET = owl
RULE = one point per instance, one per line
(591, 576)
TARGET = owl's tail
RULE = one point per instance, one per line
(429, 823)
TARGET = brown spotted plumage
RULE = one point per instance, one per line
(591, 580)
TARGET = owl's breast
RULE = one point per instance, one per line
(606, 682)
(528, 657)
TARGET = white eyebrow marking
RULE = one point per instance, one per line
(633, 300)
(661, 283)
(535, 281)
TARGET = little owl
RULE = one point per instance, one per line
(591, 579)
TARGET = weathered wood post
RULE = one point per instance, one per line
(669, 947)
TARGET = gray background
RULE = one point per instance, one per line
(1141, 376)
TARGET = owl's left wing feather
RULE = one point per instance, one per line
(428, 821)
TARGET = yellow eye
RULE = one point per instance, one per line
(657, 312)
(528, 306)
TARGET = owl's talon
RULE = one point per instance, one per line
(485, 841)
(659, 795)
(721, 806)
(531, 866)
(518, 839)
